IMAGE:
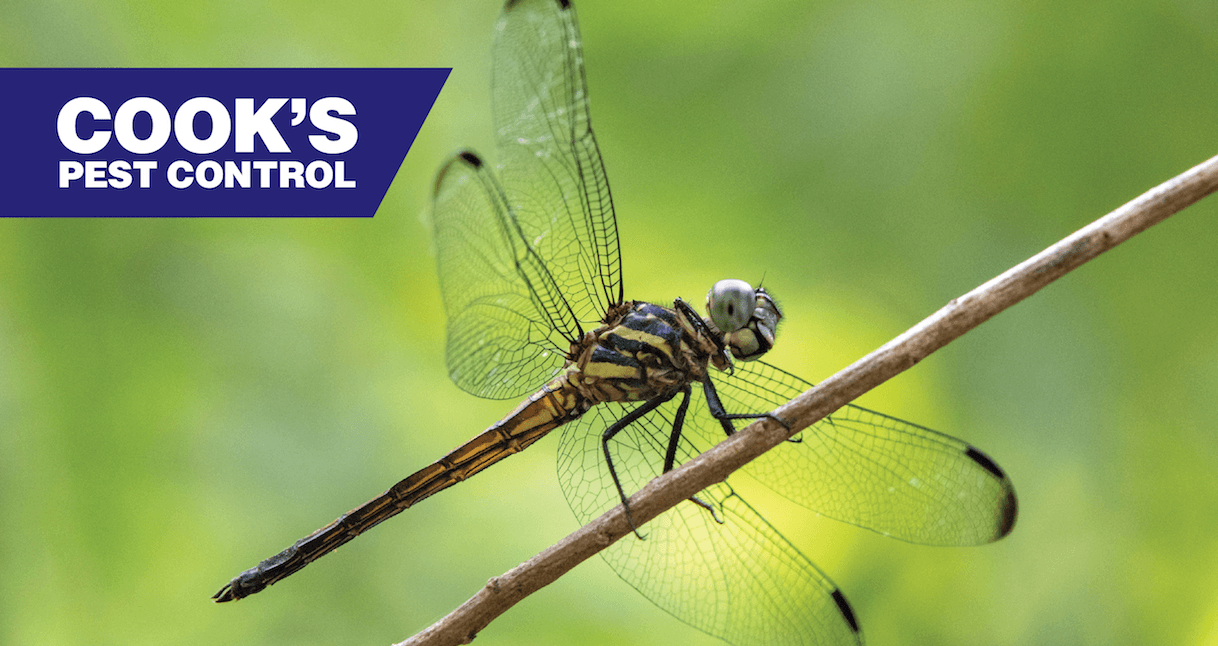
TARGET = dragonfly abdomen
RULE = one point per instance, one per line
(554, 405)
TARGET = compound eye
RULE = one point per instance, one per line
(730, 304)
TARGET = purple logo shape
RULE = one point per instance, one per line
(322, 142)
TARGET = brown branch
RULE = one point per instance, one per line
(957, 317)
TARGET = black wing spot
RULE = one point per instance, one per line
(1010, 506)
(1009, 511)
(564, 3)
(985, 461)
(845, 609)
(470, 158)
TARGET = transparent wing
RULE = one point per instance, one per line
(527, 264)
(869, 469)
(553, 177)
(501, 338)
(738, 580)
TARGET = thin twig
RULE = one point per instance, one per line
(957, 317)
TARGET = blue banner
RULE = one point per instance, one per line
(207, 142)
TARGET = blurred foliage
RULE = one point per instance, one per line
(179, 399)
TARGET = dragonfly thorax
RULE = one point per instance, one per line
(642, 352)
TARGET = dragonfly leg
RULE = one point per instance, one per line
(725, 419)
(670, 457)
(616, 428)
(708, 507)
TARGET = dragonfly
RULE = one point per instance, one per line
(530, 270)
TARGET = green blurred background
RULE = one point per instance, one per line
(180, 399)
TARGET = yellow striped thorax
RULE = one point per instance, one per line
(643, 351)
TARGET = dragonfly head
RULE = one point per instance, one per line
(747, 317)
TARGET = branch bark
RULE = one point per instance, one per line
(953, 320)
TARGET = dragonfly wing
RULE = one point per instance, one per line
(527, 264)
(869, 469)
(501, 339)
(553, 177)
(739, 579)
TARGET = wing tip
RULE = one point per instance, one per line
(471, 158)
(1010, 505)
(1010, 510)
(467, 157)
(844, 607)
